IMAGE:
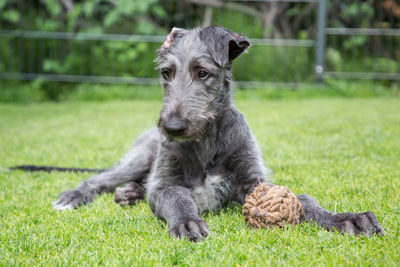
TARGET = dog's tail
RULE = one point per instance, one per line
(34, 168)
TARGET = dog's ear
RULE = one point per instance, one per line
(223, 44)
(173, 35)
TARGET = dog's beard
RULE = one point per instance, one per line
(191, 135)
(171, 138)
(179, 139)
(186, 138)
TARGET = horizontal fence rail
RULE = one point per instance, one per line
(77, 78)
(136, 38)
(363, 31)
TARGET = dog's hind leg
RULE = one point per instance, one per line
(135, 166)
(351, 223)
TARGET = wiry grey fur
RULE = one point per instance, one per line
(202, 155)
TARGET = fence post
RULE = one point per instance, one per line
(320, 42)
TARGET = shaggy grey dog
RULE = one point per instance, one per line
(202, 155)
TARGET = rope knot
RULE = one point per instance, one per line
(271, 205)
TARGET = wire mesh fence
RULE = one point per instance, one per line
(363, 40)
(115, 41)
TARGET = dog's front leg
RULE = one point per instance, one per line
(175, 205)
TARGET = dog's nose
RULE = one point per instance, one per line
(175, 126)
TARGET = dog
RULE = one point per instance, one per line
(202, 155)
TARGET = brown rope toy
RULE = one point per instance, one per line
(271, 205)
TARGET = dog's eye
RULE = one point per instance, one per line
(202, 74)
(166, 74)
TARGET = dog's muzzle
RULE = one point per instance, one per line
(175, 126)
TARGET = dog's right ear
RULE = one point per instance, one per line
(223, 45)
(173, 35)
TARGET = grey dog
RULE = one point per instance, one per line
(202, 156)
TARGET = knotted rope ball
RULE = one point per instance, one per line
(271, 205)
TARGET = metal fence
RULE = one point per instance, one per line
(293, 42)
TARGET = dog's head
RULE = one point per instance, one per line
(195, 73)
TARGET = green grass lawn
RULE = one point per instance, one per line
(343, 152)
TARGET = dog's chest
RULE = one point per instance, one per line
(211, 195)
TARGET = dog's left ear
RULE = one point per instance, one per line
(223, 44)
(174, 34)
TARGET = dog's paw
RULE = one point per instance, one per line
(130, 194)
(194, 229)
(70, 200)
(357, 224)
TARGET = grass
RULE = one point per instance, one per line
(343, 152)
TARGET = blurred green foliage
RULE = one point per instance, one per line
(79, 57)
(156, 17)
